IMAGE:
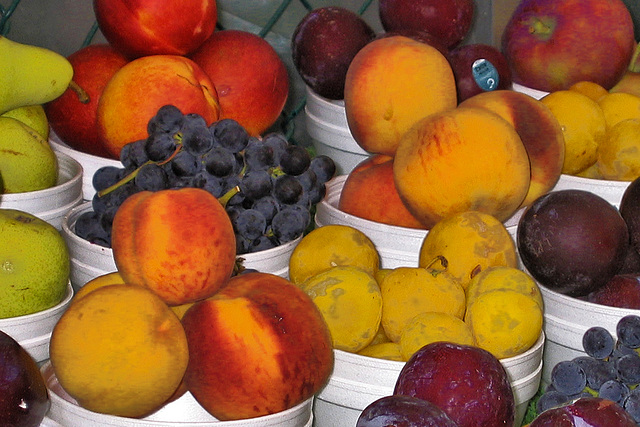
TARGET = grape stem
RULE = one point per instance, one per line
(133, 174)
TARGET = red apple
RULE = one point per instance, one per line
(450, 21)
(323, 44)
(73, 115)
(553, 44)
(249, 76)
(151, 27)
(136, 92)
(479, 68)
(467, 382)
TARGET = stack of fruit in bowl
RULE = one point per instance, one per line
(600, 154)
(33, 178)
(34, 280)
(380, 318)
(174, 323)
(147, 63)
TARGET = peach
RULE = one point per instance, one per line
(539, 131)
(152, 27)
(249, 76)
(137, 90)
(391, 83)
(73, 115)
(259, 346)
(463, 159)
(369, 192)
(178, 243)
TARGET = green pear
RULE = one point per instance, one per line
(34, 264)
(30, 74)
(33, 116)
(27, 161)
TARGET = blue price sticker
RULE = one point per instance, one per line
(485, 74)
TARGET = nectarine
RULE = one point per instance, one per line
(257, 347)
(460, 160)
(392, 83)
(250, 78)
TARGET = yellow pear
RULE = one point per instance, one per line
(33, 116)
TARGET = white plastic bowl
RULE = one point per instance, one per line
(33, 331)
(566, 319)
(611, 191)
(326, 123)
(89, 260)
(51, 204)
(358, 380)
(397, 246)
(89, 162)
(537, 94)
(183, 412)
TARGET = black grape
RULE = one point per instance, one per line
(185, 164)
(307, 179)
(632, 404)
(628, 367)
(601, 371)
(551, 399)
(196, 138)
(278, 144)
(167, 119)
(614, 390)
(219, 162)
(250, 224)
(263, 243)
(256, 184)
(324, 167)
(257, 155)
(88, 227)
(106, 176)
(160, 146)
(210, 183)
(229, 134)
(628, 331)
(288, 225)
(598, 342)
(151, 177)
(133, 154)
(268, 205)
(287, 189)
(568, 377)
(294, 160)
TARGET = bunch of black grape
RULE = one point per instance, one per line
(268, 186)
(611, 369)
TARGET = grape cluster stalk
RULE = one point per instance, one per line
(610, 369)
(268, 186)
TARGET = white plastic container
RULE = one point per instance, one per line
(566, 319)
(537, 94)
(51, 204)
(611, 191)
(89, 260)
(359, 380)
(89, 162)
(33, 331)
(397, 246)
(326, 124)
(183, 412)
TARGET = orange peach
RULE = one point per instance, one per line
(257, 347)
(249, 76)
(459, 160)
(369, 192)
(137, 90)
(539, 131)
(391, 83)
(178, 243)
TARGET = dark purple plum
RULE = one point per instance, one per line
(466, 382)
(24, 400)
(630, 211)
(585, 412)
(403, 411)
(622, 290)
(450, 21)
(572, 241)
(323, 44)
(479, 68)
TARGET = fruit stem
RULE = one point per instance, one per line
(224, 199)
(443, 262)
(83, 96)
(133, 174)
(634, 58)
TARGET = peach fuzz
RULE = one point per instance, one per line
(257, 347)
(369, 192)
(144, 27)
(460, 160)
(178, 243)
(391, 83)
(250, 78)
(539, 131)
(138, 89)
